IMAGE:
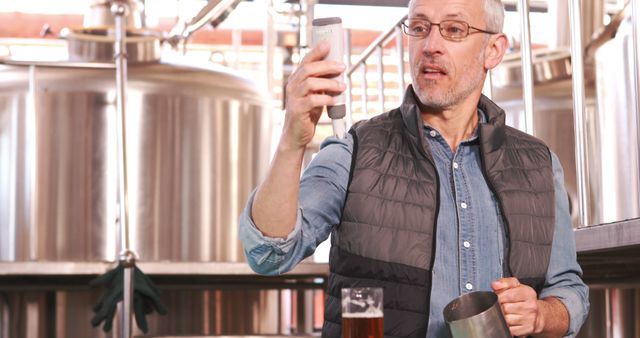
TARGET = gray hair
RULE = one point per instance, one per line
(494, 14)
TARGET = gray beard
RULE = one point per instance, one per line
(453, 96)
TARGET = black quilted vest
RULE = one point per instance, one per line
(386, 237)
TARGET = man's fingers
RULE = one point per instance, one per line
(518, 294)
(518, 331)
(519, 307)
(518, 325)
(318, 69)
(505, 283)
(316, 101)
(316, 54)
(514, 319)
(524, 307)
(319, 85)
(506, 296)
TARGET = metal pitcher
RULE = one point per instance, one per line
(476, 315)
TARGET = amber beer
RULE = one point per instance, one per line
(362, 325)
(362, 312)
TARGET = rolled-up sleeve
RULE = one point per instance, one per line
(322, 193)
(266, 255)
(564, 280)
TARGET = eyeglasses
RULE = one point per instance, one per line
(452, 30)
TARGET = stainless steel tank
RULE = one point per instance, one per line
(613, 135)
(197, 139)
(613, 313)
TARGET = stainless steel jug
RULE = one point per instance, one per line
(476, 315)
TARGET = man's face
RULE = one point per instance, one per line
(446, 72)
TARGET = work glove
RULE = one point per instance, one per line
(146, 297)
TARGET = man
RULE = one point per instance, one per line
(429, 201)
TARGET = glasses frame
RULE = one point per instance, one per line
(405, 29)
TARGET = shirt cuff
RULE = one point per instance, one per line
(576, 307)
(260, 248)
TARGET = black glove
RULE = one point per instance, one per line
(146, 297)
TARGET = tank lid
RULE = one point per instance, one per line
(98, 44)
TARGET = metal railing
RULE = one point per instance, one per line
(527, 65)
(577, 69)
(377, 47)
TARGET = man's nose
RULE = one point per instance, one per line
(433, 43)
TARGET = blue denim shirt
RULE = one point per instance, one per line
(470, 238)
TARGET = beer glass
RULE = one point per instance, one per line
(362, 315)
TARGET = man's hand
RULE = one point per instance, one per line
(275, 205)
(526, 315)
(308, 91)
(520, 306)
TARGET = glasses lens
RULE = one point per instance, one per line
(454, 29)
(417, 27)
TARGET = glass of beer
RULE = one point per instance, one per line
(362, 315)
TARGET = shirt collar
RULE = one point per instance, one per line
(491, 128)
(482, 118)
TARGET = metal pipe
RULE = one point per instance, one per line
(32, 135)
(127, 311)
(635, 43)
(608, 313)
(120, 11)
(400, 53)
(527, 65)
(210, 12)
(143, 14)
(381, 78)
(4, 315)
(214, 12)
(306, 26)
(269, 44)
(577, 68)
(364, 91)
(349, 51)
(372, 47)
(236, 43)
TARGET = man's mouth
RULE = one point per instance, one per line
(433, 70)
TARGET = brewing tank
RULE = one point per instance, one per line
(613, 135)
(197, 143)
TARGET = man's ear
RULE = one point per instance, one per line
(495, 49)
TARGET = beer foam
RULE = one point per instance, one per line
(371, 313)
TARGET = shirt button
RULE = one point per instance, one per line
(455, 165)
(469, 286)
(466, 244)
(463, 205)
(433, 133)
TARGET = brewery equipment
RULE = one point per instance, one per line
(198, 140)
(219, 310)
(613, 164)
(99, 14)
